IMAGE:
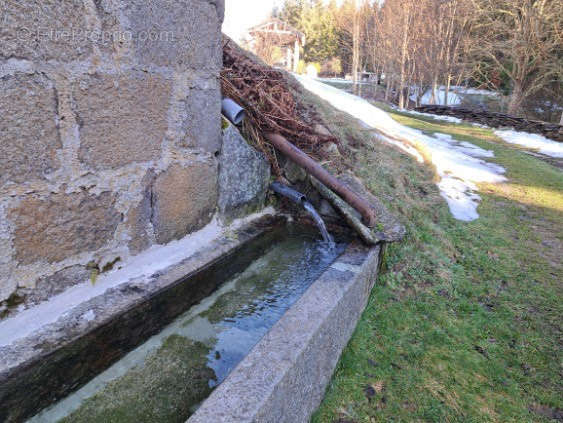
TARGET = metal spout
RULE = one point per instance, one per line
(302, 201)
(288, 192)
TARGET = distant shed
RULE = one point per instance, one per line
(281, 34)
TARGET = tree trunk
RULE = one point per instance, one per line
(516, 98)
(434, 98)
(356, 46)
(561, 121)
(419, 94)
(404, 60)
(448, 83)
(388, 83)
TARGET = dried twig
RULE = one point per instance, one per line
(270, 105)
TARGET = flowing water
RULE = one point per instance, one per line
(320, 224)
(167, 377)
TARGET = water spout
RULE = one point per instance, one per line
(301, 200)
(320, 223)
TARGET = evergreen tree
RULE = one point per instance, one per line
(316, 21)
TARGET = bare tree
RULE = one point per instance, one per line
(349, 22)
(521, 39)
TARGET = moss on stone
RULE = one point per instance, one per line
(164, 389)
(256, 282)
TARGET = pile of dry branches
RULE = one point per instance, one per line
(270, 105)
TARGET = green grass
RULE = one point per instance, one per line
(465, 321)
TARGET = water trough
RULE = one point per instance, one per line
(268, 305)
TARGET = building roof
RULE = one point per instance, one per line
(276, 26)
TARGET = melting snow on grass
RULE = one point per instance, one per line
(460, 165)
(537, 142)
(451, 119)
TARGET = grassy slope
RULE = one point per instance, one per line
(465, 322)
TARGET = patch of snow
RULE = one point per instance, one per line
(453, 98)
(536, 142)
(455, 95)
(405, 147)
(140, 267)
(477, 150)
(336, 80)
(474, 91)
(459, 165)
(435, 117)
(341, 81)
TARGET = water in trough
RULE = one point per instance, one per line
(166, 378)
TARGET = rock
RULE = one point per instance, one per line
(7, 287)
(293, 172)
(321, 129)
(139, 218)
(202, 123)
(129, 128)
(326, 209)
(244, 175)
(62, 225)
(28, 128)
(330, 148)
(184, 200)
(187, 34)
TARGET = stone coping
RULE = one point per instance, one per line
(284, 377)
(38, 369)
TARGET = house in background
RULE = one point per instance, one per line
(277, 43)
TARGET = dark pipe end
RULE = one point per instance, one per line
(288, 192)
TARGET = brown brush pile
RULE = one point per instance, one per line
(267, 96)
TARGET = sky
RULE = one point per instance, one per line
(243, 14)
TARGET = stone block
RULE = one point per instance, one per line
(184, 200)
(7, 287)
(28, 128)
(62, 225)
(123, 119)
(48, 286)
(139, 218)
(185, 33)
(284, 377)
(41, 30)
(202, 122)
(244, 174)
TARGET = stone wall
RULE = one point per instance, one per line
(109, 129)
(498, 120)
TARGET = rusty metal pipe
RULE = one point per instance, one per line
(315, 169)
